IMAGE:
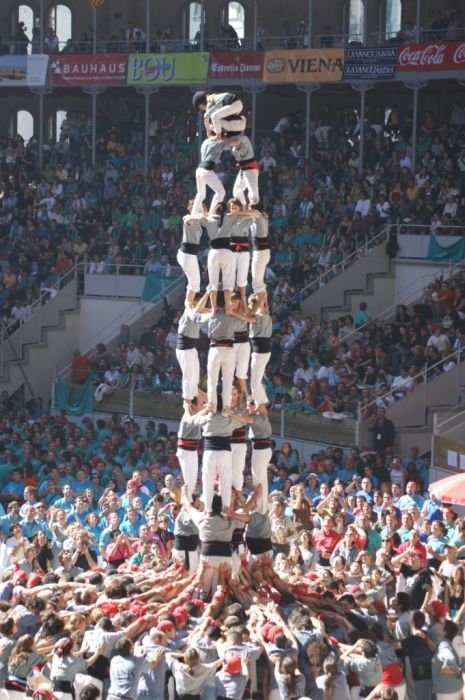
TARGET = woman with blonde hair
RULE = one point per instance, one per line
(190, 675)
(23, 659)
(332, 681)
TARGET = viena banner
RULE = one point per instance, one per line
(303, 66)
(23, 70)
(94, 70)
(168, 69)
(236, 65)
(435, 56)
(378, 63)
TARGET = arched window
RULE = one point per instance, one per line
(356, 20)
(22, 13)
(54, 123)
(393, 18)
(61, 20)
(22, 124)
(236, 18)
(194, 18)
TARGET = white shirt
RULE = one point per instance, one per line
(363, 207)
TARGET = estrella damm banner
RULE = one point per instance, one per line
(168, 68)
(303, 66)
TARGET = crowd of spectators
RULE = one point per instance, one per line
(362, 591)
(320, 210)
(446, 25)
(338, 368)
(363, 581)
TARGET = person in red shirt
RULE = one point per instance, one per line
(414, 544)
(445, 295)
(63, 264)
(326, 539)
(79, 368)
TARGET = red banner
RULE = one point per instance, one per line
(91, 70)
(231, 65)
(439, 55)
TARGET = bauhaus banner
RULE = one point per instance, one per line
(303, 66)
(98, 70)
(435, 56)
(233, 65)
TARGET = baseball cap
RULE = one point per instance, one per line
(165, 626)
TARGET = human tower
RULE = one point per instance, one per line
(239, 327)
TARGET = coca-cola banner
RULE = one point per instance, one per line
(435, 56)
(91, 70)
(233, 65)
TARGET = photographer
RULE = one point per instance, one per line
(84, 557)
(119, 550)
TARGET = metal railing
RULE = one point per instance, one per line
(45, 295)
(14, 336)
(401, 228)
(405, 297)
(219, 43)
(346, 261)
(77, 271)
(107, 332)
(427, 374)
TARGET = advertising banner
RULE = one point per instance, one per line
(241, 65)
(23, 70)
(168, 69)
(378, 63)
(438, 55)
(90, 70)
(303, 66)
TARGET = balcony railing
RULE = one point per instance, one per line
(330, 273)
(218, 43)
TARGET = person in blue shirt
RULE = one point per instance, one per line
(361, 316)
(146, 482)
(170, 512)
(366, 489)
(331, 469)
(81, 483)
(421, 466)
(347, 474)
(324, 492)
(79, 511)
(131, 523)
(41, 519)
(431, 507)
(29, 524)
(13, 490)
(50, 494)
(93, 527)
(132, 490)
(11, 518)
(107, 535)
(410, 497)
(29, 497)
(67, 501)
(311, 487)
(436, 544)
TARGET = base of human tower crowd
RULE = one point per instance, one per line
(340, 593)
